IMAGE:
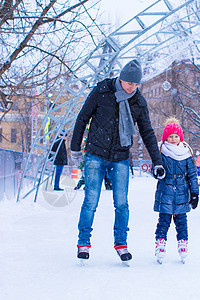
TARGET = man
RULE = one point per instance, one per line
(113, 106)
(60, 160)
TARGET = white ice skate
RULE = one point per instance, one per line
(160, 250)
(183, 249)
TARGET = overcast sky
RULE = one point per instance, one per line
(120, 11)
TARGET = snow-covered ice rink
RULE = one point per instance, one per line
(38, 252)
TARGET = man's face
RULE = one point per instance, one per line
(129, 87)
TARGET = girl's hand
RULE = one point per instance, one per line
(194, 199)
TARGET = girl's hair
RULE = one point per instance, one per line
(171, 119)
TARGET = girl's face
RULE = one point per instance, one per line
(129, 87)
(173, 139)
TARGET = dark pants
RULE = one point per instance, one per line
(132, 172)
(164, 222)
(59, 169)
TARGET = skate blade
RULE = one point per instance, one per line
(183, 260)
(160, 261)
(183, 257)
(83, 262)
(126, 263)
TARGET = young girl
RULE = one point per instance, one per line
(178, 191)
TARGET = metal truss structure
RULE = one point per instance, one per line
(156, 36)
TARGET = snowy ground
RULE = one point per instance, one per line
(38, 252)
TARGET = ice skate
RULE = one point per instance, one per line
(58, 189)
(83, 253)
(160, 250)
(79, 184)
(183, 249)
(123, 253)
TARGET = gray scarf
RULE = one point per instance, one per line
(126, 125)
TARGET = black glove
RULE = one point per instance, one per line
(159, 172)
(194, 199)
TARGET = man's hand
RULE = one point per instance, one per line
(77, 157)
(159, 172)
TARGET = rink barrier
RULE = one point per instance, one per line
(142, 167)
(10, 172)
(75, 173)
(12, 163)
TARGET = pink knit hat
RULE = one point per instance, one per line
(172, 128)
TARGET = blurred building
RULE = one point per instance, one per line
(21, 124)
(173, 92)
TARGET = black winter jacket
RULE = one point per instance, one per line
(61, 157)
(103, 138)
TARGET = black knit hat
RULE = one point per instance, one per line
(131, 72)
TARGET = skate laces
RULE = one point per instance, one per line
(182, 246)
(160, 246)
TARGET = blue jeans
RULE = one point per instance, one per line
(95, 168)
(59, 169)
(164, 222)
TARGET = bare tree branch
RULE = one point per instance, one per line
(7, 11)
(35, 27)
